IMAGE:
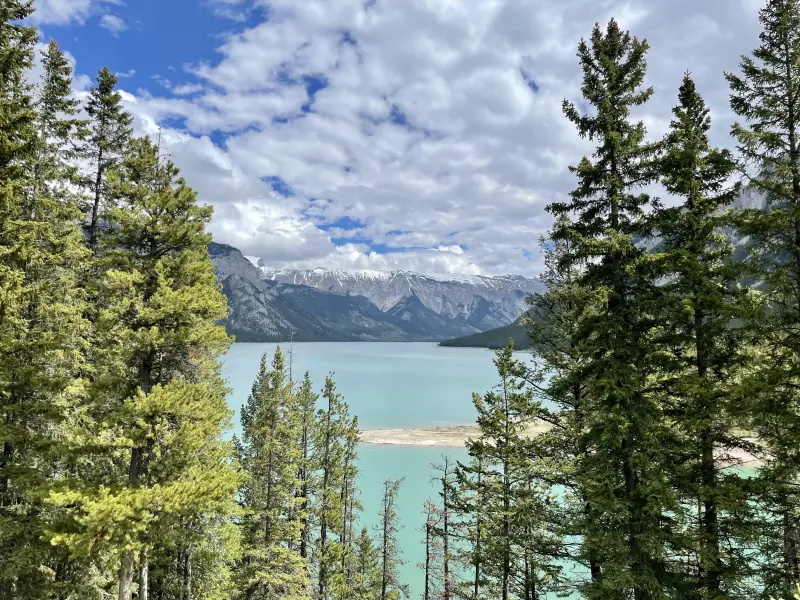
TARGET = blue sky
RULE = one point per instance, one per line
(384, 134)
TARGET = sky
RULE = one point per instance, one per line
(423, 135)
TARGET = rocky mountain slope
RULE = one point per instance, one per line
(324, 305)
(479, 302)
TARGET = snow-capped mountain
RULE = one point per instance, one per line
(332, 305)
(478, 301)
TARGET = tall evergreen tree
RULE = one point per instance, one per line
(40, 326)
(765, 96)
(559, 385)
(59, 129)
(622, 473)
(367, 583)
(333, 423)
(433, 552)
(390, 560)
(307, 406)
(703, 348)
(110, 131)
(160, 399)
(271, 456)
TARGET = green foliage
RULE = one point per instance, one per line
(765, 96)
(105, 146)
(272, 457)
(158, 399)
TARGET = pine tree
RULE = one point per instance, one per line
(40, 328)
(367, 582)
(160, 399)
(765, 96)
(700, 304)
(331, 429)
(60, 129)
(390, 559)
(558, 383)
(622, 474)
(110, 131)
(433, 551)
(271, 456)
(307, 403)
(445, 478)
(467, 503)
(514, 557)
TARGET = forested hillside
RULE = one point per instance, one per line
(657, 371)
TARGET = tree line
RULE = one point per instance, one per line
(666, 359)
(116, 480)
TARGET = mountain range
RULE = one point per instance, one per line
(267, 304)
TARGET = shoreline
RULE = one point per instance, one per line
(455, 436)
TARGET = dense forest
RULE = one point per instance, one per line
(657, 371)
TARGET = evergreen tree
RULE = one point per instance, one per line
(622, 474)
(558, 383)
(107, 142)
(514, 557)
(467, 506)
(390, 559)
(433, 552)
(332, 426)
(445, 478)
(40, 329)
(160, 399)
(271, 457)
(703, 349)
(765, 96)
(367, 582)
(59, 129)
(307, 403)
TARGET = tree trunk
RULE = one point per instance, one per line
(427, 595)
(126, 576)
(98, 182)
(187, 575)
(144, 573)
(478, 524)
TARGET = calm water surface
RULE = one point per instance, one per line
(396, 385)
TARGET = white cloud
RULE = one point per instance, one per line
(113, 23)
(65, 12)
(460, 179)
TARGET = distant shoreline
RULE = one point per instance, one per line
(455, 436)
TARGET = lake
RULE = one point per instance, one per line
(392, 385)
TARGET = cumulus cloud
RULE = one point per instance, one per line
(113, 23)
(419, 134)
(65, 12)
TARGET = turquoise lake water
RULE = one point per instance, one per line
(395, 385)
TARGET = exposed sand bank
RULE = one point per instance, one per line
(448, 436)
(454, 436)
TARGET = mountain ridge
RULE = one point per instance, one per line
(269, 304)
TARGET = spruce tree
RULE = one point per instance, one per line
(367, 581)
(331, 429)
(433, 551)
(110, 129)
(390, 559)
(271, 457)
(704, 355)
(622, 473)
(40, 329)
(765, 96)
(59, 129)
(561, 400)
(160, 402)
(306, 404)
(445, 479)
